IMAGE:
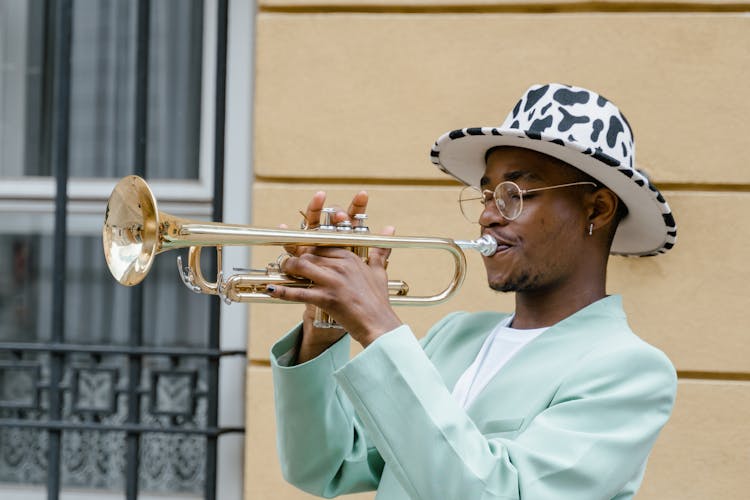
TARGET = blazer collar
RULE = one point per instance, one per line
(558, 347)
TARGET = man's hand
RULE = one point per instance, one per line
(353, 292)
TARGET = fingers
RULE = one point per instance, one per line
(378, 257)
(290, 294)
(312, 214)
(322, 266)
(358, 204)
(308, 266)
(315, 207)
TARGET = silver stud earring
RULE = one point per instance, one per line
(591, 229)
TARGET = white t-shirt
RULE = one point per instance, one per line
(499, 348)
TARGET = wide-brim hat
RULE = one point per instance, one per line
(584, 130)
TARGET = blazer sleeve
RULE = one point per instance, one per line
(588, 444)
(321, 444)
(323, 447)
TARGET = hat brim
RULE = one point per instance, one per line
(649, 227)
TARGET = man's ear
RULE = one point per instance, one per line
(602, 207)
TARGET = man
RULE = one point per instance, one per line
(559, 400)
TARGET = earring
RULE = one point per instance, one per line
(591, 229)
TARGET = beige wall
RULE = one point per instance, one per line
(353, 95)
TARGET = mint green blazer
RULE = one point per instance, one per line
(573, 415)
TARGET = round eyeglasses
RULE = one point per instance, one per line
(508, 198)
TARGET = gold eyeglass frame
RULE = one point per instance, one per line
(484, 198)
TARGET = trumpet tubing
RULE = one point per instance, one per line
(135, 231)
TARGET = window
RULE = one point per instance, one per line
(91, 359)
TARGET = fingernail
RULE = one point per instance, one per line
(270, 288)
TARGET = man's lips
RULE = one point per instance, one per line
(503, 243)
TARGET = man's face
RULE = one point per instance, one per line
(542, 247)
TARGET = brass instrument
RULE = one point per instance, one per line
(135, 231)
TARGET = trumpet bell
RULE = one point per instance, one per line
(130, 234)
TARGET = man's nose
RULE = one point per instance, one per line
(491, 215)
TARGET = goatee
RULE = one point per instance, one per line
(522, 283)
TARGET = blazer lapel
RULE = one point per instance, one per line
(538, 367)
(456, 349)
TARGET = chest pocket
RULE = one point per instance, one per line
(505, 427)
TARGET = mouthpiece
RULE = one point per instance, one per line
(486, 245)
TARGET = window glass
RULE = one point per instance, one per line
(21, 87)
(97, 308)
(103, 85)
(25, 286)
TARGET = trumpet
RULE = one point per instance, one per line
(135, 231)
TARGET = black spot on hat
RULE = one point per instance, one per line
(624, 150)
(496, 132)
(668, 220)
(434, 153)
(601, 101)
(541, 125)
(456, 134)
(533, 135)
(545, 108)
(516, 108)
(569, 97)
(571, 138)
(605, 158)
(534, 96)
(474, 131)
(515, 124)
(627, 172)
(531, 115)
(598, 126)
(558, 141)
(615, 127)
(569, 120)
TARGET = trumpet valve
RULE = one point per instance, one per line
(327, 223)
(361, 226)
(344, 227)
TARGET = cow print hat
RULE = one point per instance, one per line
(584, 130)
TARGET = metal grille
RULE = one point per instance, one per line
(71, 409)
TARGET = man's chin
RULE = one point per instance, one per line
(503, 287)
(511, 284)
